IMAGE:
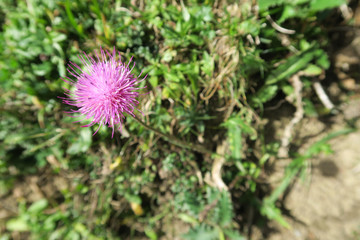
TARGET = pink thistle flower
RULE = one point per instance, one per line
(104, 90)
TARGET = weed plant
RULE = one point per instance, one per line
(214, 68)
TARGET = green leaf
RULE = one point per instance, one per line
(196, 39)
(225, 211)
(293, 65)
(309, 108)
(14, 138)
(265, 4)
(72, 20)
(236, 128)
(287, 89)
(207, 64)
(319, 5)
(83, 143)
(172, 76)
(168, 55)
(250, 26)
(312, 70)
(41, 69)
(187, 218)
(288, 12)
(17, 224)
(323, 61)
(272, 212)
(233, 235)
(38, 206)
(57, 37)
(154, 81)
(291, 172)
(202, 232)
(265, 94)
(234, 136)
(151, 234)
(133, 198)
(316, 147)
(185, 12)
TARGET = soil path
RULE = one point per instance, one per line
(327, 205)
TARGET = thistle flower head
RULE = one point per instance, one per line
(105, 89)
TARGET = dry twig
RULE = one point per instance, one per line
(285, 141)
(278, 27)
(217, 165)
(322, 95)
(206, 210)
(346, 11)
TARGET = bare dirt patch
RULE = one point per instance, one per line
(326, 206)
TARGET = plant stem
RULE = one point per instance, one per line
(174, 140)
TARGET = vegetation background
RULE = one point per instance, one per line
(218, 72)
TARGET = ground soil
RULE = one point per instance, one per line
(326, 206)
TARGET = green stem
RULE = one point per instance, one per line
(174, 140)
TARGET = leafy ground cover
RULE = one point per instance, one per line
(217, 71)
